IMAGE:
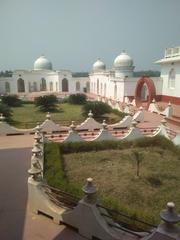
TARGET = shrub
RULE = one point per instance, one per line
(6, 111)
(47, 103)
(98, 108)
(11, 100)
(118, 113)
(78, 98)
(27, 102)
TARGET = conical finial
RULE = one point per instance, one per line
(72, 126)
(48, 116)
(169, 104)
(38, 127)
(104, 125)
(37, 136)
(90, 114)
(2, 118)
(90, 191)
(35, 170)
(169, 215)
(36, 149)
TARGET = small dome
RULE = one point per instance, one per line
(42, 63)
(99, 66)
(123, 60)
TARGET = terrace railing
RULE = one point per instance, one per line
(124, 222)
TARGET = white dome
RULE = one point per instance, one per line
(99, 66)
(42, 63)
(123, 60)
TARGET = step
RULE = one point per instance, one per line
(176, 117)
(174, 121)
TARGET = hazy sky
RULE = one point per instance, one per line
(74, 33)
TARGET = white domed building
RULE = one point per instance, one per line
(43, 78)
(42, 63)
(98, 66)
(115, 83)
(119, 82)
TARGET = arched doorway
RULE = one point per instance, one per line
(97, 86)
(43, 84)
(34, 87)
(115, 91)
(87, 86)
(150, 92)
(105, 89)
(7, 87)
(144, 93)
(20, 85)
(65, 87)
(78, 86)
(51, 86)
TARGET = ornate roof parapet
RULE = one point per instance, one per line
(167, 229)
(73, 136)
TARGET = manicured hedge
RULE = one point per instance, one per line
(73, 147)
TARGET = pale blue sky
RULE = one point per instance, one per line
(74, 33)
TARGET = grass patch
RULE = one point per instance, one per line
(114, 170)
(28, 115)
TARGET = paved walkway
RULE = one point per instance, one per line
(16, 221)
(17, 141)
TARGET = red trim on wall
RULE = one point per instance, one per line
(164, 98)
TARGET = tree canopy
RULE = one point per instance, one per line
(47, 103)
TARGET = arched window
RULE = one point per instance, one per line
(87, 86)
(7, 87)
(171, 80)
(20, 85)
(43, 84)
(115, 91)
(51, 86)
(65, 87)
(97, 86)
(105, 89)
(78, 86)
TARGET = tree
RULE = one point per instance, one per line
(11, 100)
(98, 108)
(6, 111)
(47, 103)
(137, 156)
(78, 98)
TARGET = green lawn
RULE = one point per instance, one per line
(28, 115)
(114, 174)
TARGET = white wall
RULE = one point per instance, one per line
(166, 90)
